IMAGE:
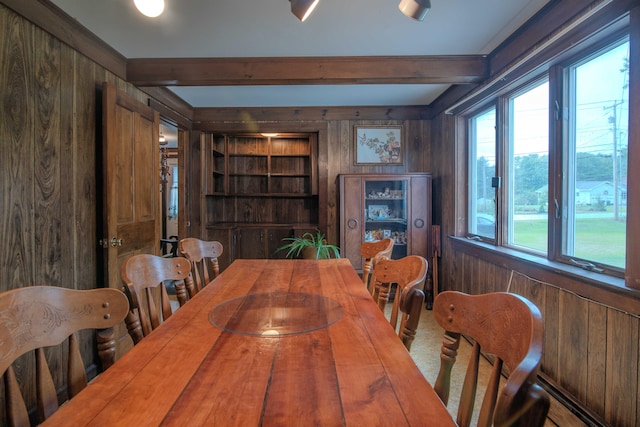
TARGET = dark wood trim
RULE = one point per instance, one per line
(441, 69)
(53, 20)
(604, 289)
(170, 105)
(554, 15)
(203, 116)
(633, 174)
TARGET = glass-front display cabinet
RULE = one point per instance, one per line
(374, 207)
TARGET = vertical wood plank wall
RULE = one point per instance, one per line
(49, 145)
(590, 350)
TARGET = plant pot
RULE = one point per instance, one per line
(309, 252)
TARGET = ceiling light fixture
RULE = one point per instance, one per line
(303, 8)
(415, 9)
(150, 8)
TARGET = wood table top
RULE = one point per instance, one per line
(348, 368)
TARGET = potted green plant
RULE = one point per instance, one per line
(309, 246)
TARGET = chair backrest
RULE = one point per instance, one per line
(508, 327)
(408, 274)
(35, 317)
(144, 276)
(203, 256)
(371, 252)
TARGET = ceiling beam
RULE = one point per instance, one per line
(443, 69)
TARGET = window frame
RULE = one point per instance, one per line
(555, 73)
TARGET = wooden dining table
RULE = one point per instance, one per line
(267, 343)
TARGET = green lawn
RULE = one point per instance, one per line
(598, 239)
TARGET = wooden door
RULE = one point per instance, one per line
(352, 222)
(132, 216)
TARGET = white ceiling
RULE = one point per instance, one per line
(266, 28)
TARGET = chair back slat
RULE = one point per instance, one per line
(32, 318)
(408, 274)
(508, 327)
(144, 276)
(371, 252)
(203, 256)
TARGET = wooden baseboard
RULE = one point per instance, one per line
(566, 410)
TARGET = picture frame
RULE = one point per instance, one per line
(378, 145)
(378, 212)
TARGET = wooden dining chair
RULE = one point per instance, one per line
(35, 317)
(507, 327)
(203, 256)
(371, 252)
(408, 274)
(144, 276)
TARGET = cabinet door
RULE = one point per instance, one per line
(387, 212)
(420, 220)
(351, 221)
(251, 243)
(274, 241)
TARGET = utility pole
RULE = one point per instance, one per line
(613, 119)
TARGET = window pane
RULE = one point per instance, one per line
(529, 168)
(596, 156)
(482, 162)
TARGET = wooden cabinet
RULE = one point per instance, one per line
(258, 189)
(373, 207)
(261, 242)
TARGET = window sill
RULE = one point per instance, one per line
(598, 287)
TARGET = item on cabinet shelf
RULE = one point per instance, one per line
(399, 237)
(386, 193)
(374, 235)
(386, 234)
(309, 246)
(378, 212)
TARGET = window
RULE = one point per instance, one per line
(587, 195)
(595, 153)
(528, 124)
(482, 161)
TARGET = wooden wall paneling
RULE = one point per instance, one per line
(47, 152)
(71, 272)
(47, 159)
(551, 316)
(16, 136)
(597, 357)
(574, 344)
(621, 397)
(337, 154)
(16, 166)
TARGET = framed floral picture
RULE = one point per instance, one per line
(379, 145)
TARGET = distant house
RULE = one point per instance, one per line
(593, 192)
